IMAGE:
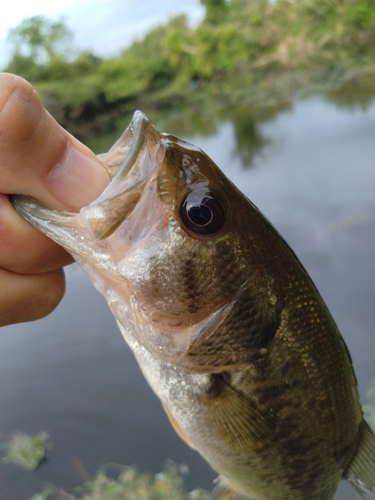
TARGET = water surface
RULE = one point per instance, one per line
(310, 169)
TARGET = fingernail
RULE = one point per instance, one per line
(77, 180)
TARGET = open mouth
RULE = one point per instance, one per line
(115, 265)
(130, 164)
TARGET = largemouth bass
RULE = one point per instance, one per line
(224, 321)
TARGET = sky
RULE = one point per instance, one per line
(102, 26)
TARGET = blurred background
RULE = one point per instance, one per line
(281, 95)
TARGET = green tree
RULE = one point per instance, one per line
(216, 11)
(40, 39)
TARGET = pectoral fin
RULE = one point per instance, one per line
(234, 418)
(361, 471)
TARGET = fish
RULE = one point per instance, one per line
(224, 321)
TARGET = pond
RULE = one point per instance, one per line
(309, 167)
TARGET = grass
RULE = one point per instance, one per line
(128, 484)
(27, 451)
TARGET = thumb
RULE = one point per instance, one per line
(38, 157)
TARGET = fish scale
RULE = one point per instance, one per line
(224, 321)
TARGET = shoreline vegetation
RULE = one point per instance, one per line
(258, 53)
(115, 481)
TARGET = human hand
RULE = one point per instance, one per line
(40, 159)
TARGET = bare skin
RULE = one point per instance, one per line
(40, 159)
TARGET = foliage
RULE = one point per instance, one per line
(27, 451)
(40, 49)
(40, 38)
(128, 485)
(111, 482)
(244, 50)
(216, 11)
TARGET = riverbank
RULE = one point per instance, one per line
(262, 53)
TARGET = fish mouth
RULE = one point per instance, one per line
(130, 164)
(95, 237)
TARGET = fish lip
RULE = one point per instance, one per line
(105, 214)
(138, 128)
(30, 208)
(99, 217)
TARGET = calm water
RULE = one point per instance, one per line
(310, 169)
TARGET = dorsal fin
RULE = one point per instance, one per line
(361, 471)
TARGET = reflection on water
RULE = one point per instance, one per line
(249, 140)
(351, 95)
(72, 374)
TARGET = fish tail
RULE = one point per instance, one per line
(361, 470)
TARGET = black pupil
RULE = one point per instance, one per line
(200, 214)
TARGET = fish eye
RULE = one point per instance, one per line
(202, 213)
